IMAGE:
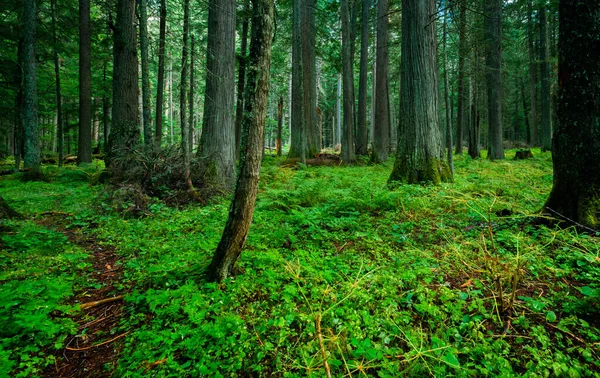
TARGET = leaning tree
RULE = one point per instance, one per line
(420, 154)
(575, 195)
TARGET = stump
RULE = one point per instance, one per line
(523, 154)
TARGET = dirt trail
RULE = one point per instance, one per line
(93, 351)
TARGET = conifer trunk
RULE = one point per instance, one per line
(59, 115)
(347, 138)
(84, 145)
(381, 121)
(239, 108)
(31, 149)
(545, 81)
(361, 128)
(146, 111)
(160, 80)
(493, 31)
(462, 52)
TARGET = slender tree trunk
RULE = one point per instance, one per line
(242, 206)
(474, 150)
(171, 128)
(575, 195)
(191, 121)
(95, 122)
(309, 78)
(516, 115)
(381, 126)
(532, 75)
(298, 124)
(84, 147)
(160, 80)
(183, 90)
(125, 131)
(447, 98)
(526, 113)
(420, 153)
(545, 79)
(146, 111)
(361, 135)
(30, 114)
(217, 144)
(348, 85)
(338, 140)
(105, 110)
(59, 115)
(239, 109)
(462, 52)
(279, 125)
(493, 29)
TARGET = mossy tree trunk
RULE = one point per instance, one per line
(253, 128)
(493, 59)
(125, 131)
(575, 192)
(545, 79)
(217, 143)
(420, 154)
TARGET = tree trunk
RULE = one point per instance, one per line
(242, 206)
(31, 150)
(447, 98)
(381, 125)
(160, 80)
(146, 111)
(361, 135)
(185, 135)
(545, 79)
(532, 75)
(84, 146)
(309, 78)
(516, 115)
(279, 125)
(338, 140)
(191, 121)
(493, 31)
(298, 125)
(420, 154)
(125, 131)
(462, 52)
(525, 112)
(474, 150)
(239, 109)
(347, 151)
(59, 115)
(105, 110)
(575, 195)
(217, 144)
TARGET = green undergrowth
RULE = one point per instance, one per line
(342, 274)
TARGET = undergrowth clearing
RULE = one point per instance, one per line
(341, 275)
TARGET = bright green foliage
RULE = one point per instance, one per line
(415, 281)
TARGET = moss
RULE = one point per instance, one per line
(589, 209)
(433, 170)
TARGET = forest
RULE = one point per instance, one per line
(300, 188)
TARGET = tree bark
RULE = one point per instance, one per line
(239, 108)
(31, 150)
(381, 125)
(309, 78)
(532, 75)
(191, 102)
(279, 125)
(217, 144)
(242, 206)
(59, 115)
(84, 145)
(298, 125)
(105, 110)
(450, 158)
(526, 112)
(462, 52)
(361, 128)
(545, 81)
(474, 150)
(185, 135)
(347, 151)
(420, 154)
(146, 111)
(493, 31)
(575, 195)
(160, 80)
(125, 131)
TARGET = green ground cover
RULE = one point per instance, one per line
(340, 273)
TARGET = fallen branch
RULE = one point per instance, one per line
(85, 306)
(321, 346)
(97, 345)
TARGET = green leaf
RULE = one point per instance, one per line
(451, 360)
(551, 316)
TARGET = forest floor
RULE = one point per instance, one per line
(342, 276)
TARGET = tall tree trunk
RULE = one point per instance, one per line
(171, 128)
(526, 113)
(309, 78)
(146, 111)
(125, 131)
(348, 85)
(420, 153)
(532, 75)
(160, 80)
(447, 98)
(191, 121)
(474, 150)
(59, 115)
(95, 122)
(462, 52)
(84, 146)
(361, 135)
(298, 125)
(239, 108)
(575, 195)
(242, 206)
(279, 125)
(493, 31)
(338, 140)
(545, 79)
(516, 115)
(31, 150)
(217, 144)
(381, 125)
(105, 110)
(185, 135)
